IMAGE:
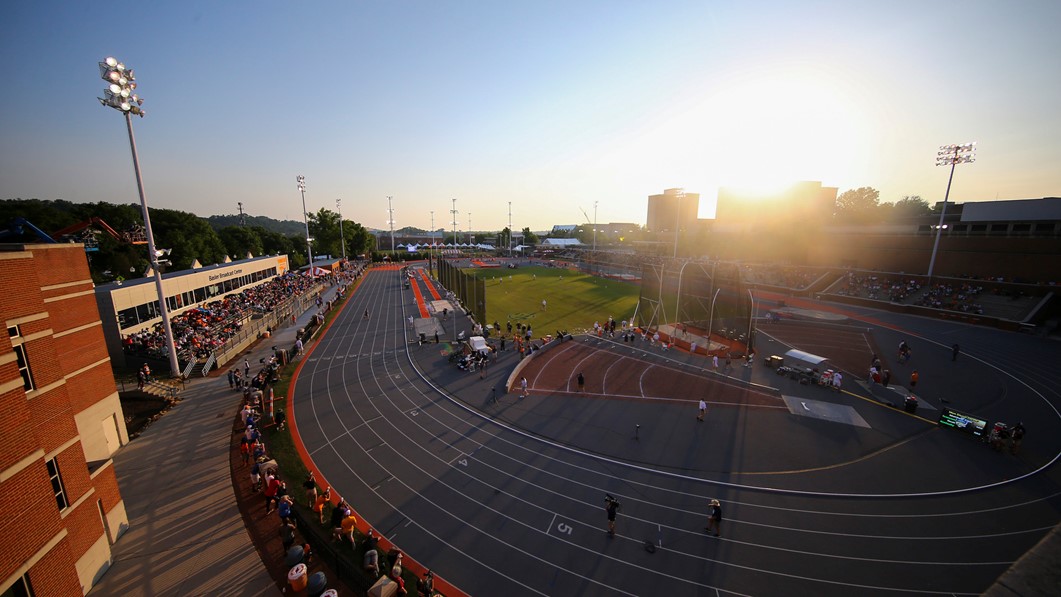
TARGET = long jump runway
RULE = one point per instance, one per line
(507, 497)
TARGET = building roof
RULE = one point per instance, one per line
(561, 242)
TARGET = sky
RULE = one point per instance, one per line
(567, 111)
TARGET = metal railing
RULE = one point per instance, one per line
(209, 363)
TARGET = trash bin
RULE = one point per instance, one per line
(911, 404)
(294, 556)
(296, 577)
(318, 582)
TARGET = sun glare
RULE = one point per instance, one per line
(758, 131)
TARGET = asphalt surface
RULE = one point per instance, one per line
(501, 495)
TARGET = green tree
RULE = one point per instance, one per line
(359, 241)
(858, 205)
(911, 206)
(297, 255)
(275, 243)
(189, 236)
(324, 228)
(529, 238)
(240, 241)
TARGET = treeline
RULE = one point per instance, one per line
(188, 236)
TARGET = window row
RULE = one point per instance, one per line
(149, 311)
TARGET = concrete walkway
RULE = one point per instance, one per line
(186, 535)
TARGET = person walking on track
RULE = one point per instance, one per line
(703, 411)
(523, 387)
(714, 518)
(581, 382)
(611, 506)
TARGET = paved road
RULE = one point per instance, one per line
(507, 497)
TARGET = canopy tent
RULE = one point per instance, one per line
(478, 344)
(811, 360)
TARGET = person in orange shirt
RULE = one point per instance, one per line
(318, 504)
(913, 379)
(349, 524)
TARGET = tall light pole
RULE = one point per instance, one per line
(433, 247)
(678, 220)
(594, 227)
(469, 228)
(119, 95)
(390, 210)
(454, 212)
(951, 155)
(342, 237)
(305, 218)
(510, 229)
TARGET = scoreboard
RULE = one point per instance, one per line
(962, 422)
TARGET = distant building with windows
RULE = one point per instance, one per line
(672, 208)
(802, 201)
(62, 422)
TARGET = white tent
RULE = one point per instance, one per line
(801, 358)
(478, 344)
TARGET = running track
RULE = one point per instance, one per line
(507, 497)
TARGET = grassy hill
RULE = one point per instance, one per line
(573, 300)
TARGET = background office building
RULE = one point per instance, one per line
(61, 424)
(670, 209)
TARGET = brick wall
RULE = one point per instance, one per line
(34, 519)
(18, 437)
(54, 575)
(106, 484)
(90, 387)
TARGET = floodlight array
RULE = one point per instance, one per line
(120, 86)
(948, 155)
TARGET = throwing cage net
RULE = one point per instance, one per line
(690, 301)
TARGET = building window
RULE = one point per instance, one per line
(20, 354)
(21, 588)
(57, 484)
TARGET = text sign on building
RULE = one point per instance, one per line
(962, 422)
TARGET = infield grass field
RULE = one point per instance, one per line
(573, 300)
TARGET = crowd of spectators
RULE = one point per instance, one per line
(787, 276)
(952, 297)
(883, 287)
(201, 330)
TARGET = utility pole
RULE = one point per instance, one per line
(242, 222)
(510, 229)
(391, 222)
(342, 237)
(678, 220)
(594, 226)
(454, 212)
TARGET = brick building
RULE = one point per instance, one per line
(62, 423)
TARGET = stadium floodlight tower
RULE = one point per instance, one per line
(454, 212)
(342, 237)
(119, 95)
(390, 222)
(949, 155)
(305, 218)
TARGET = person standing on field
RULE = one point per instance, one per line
(714, 518)
(611, 506)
